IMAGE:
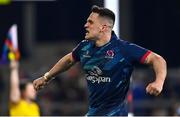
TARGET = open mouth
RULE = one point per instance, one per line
(87, 31)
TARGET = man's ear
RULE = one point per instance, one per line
(103, 28)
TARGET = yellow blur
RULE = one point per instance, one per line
(5, 2)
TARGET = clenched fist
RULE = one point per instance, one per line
(39, 83)
(154, 88)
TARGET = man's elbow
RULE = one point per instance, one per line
(161, 60)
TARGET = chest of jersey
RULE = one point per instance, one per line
(101, 60)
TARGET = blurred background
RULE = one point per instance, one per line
(47, 30)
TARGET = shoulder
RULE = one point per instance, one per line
(126, 46)
(35, 104)
(19, 103)
(84, 44)
(122, 43)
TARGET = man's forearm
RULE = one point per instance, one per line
(62, 65)
(14, 82)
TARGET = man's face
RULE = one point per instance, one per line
(30, 92)
(93, 27)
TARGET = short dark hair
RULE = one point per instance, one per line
(104, 12)
(23, 84)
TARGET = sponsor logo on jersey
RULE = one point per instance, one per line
(109, 54)
(95, 76)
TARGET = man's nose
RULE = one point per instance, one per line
(85, 25)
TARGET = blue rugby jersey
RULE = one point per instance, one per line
(108, 70)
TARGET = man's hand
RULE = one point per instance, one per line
(39, 83)
(154, 88)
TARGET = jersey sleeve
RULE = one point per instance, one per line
(77, 50)
(136, 53)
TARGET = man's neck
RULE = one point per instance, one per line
(104, 39)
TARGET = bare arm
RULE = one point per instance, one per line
(160, 68)
(62, 65)
(14, 82)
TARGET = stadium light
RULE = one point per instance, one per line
(114, 6)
